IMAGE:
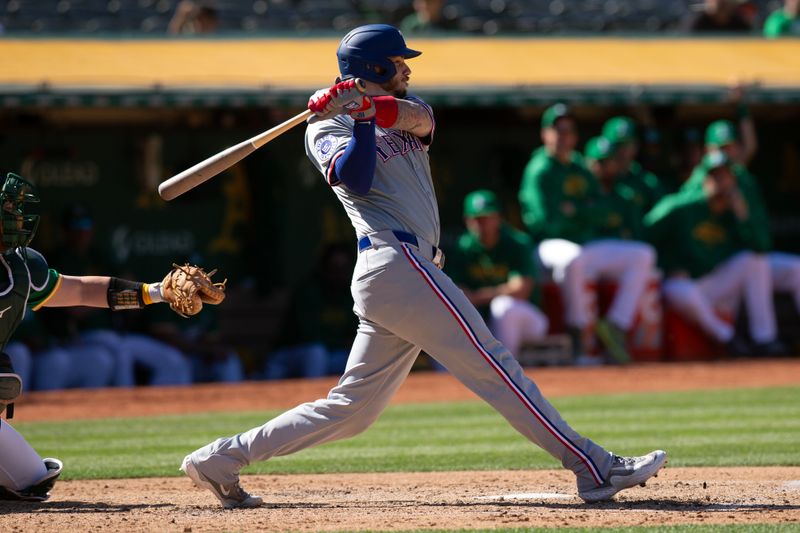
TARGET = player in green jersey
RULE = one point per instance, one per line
(621, 132)
(708, 248)
(562, 207)
(784, 267)
(493, 265)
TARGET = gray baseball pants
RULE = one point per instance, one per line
(406, 304)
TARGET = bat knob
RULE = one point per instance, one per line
(360, 85)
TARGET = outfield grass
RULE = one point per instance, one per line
(745, 427)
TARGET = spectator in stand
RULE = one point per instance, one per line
(621, 133)
(709, 245)
(562, 208)
(319, 322)
(193, 18)
(493, 264)
(783, 22)
(427, 17)
(723, 16)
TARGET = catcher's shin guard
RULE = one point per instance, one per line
(10, 386)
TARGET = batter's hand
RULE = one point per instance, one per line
(363, 110)
(327, 103)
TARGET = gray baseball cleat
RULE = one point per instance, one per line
(231, 496)
(626, 472)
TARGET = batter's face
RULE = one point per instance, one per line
(398, 85)
(561, 138)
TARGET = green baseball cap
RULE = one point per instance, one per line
(553, 113)
(480, 203)
(715, 159)
(620, 130)
(721, 133)
(598, 148)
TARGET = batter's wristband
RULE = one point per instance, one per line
(386, 111)
(124, 294)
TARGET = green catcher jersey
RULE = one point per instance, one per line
(28, 284)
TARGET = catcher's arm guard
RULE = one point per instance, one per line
(124, 294)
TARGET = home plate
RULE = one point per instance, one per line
(528, 496)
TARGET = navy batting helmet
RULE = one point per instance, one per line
(365, 52)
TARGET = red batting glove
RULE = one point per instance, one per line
(321, 104)
(363, 110)
(345, 92)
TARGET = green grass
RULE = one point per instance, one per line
(731, 427)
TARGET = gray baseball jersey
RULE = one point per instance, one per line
(405, 304)
(402, 195)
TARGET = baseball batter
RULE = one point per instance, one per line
(373, 151)
(28, 283)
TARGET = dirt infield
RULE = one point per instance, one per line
(449, 500)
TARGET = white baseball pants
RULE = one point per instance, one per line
(744, 276)
(629, 263)
(20, 465)
(785, 272)
(515, 321)
(406, 304)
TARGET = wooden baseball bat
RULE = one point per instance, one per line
(208, 168)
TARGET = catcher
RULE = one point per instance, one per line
(28, 283)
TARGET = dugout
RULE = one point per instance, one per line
(104, 120)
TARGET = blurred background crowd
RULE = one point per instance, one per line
(589, 226)
(488, 17)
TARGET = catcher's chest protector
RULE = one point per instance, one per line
(14, 287)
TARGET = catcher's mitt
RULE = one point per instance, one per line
(186, 288)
